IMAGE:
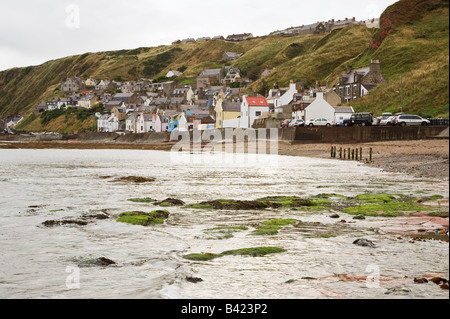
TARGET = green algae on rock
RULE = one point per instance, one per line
(201, 257)
(253, 252)
(142, 218)
(271, 227)
(170, 202)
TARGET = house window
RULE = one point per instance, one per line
(258, 113)
(347, 90)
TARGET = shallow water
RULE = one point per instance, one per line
(41, 262)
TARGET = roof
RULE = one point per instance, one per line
(121, 95)
(210, 72)
(343, 109)
(231, 106)
(256, 101)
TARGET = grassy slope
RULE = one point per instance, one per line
(415, 60)
(415, 51)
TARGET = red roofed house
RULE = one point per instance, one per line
(251, 109)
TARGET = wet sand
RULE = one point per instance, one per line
(421, 158)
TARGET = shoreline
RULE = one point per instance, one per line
(421, 158)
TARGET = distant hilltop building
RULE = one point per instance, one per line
(323, 27)
(239, 37)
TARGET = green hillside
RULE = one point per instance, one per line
(412, 47)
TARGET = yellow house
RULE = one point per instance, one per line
(226, 111)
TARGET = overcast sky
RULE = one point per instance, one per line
(33, 32)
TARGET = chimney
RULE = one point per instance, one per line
(375, 66)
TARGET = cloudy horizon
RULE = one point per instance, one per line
(34, 32)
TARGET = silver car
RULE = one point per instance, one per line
(383, 119)
(410, 120)
(319, 122)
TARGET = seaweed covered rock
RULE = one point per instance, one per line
(144, 219)
(134, 179)
(170, 202)
(222, 204)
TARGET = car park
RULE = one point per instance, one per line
(410, 120)
(296, 123)
(319, 122)
(360, 119)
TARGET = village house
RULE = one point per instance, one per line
(12, 123)
(131, 123)
(172, 74)
(282, 97)
(108, 123)
(72, 84)
(87, 101)
(342, 113)
(226, 111)
(178, 122)
(233, 76)
(90, 83)
(208, 78)
(128, 98)
(231, 56)
(104, 85)
(251, 109)
(204, 123)
(144, 123)
(356, 83)
(112, 104)
(119, 112)
(320, 108)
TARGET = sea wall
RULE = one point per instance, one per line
(360, 134)
(296, 134)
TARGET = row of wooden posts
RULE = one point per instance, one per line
(350, 153)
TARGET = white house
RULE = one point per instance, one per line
(157, 124)
(11, 124)
(108, 123)
(173, 73)
(251, 109)
(319, 109)
(144, 123)
(87, 101)
(130, 123)
(284, 99)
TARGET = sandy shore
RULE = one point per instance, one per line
(421, 158)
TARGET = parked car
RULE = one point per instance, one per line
(319, 122)
(382, 120)
(410, 120)
(390, 121)
(286, 123)
(296, 123)
(362, 119)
